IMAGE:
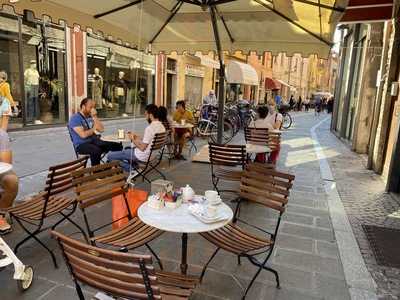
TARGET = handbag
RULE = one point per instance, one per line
(135, 198)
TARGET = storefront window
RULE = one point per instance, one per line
(9, 62)
(44, 72)
(120, 79)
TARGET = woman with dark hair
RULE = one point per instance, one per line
(163, 117)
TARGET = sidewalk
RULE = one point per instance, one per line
(307, 255)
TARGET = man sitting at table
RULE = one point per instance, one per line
(83, 127)
(181, 134)
(142, 147)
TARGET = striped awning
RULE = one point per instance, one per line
(359, 11)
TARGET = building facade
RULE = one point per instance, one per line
(367, 107)
(51, 67)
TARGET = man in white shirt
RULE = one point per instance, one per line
(210, 99)
(142, 147)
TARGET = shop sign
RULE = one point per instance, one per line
(195, 71)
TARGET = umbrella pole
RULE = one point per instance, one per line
(221, 88)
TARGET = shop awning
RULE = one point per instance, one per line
(208, 61)
(272, 84)
(241, 73)
(359, 11)
(290, 26)
(292, 88)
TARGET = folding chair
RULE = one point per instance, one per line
(156, 154)
(191, 140)
(227, 163)
(261, 136)
(169, 147)
(101, 183)
(54, 200)
(271, 191)
(121, 275)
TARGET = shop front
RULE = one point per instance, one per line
(120, 79)
(194, 76)
(32, 52)
(242, 81)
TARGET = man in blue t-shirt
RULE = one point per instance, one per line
(278, 100)
(83, 127)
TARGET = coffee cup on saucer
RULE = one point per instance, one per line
(211, 196)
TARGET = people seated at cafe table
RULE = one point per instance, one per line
(262, 120)
(181, 134)
(141, 147)
(84, 128)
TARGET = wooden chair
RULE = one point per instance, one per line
(156, 154)
(53, 200)
(227, 163)
(262, 136)
(121, 275)
(271, 191)
(99, 184)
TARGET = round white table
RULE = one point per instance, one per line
(115, 138)
(179, 125)
(180, 220)
(4, 167)
(255, 149)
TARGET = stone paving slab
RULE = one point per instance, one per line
(306, 253)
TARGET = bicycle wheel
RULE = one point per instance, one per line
(227, 133)
(287, 121)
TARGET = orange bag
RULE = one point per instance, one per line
(135, 198)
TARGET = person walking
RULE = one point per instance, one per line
(8, 180)
(299, 103)
(318, 106)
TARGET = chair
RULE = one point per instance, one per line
(99, 184)
(121, 275)
(271, 191)
(53, 200)
(191, 139)
(227, 163)
(156, 154)
(169, 151)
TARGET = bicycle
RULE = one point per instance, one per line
(207, 126)
(287, 118)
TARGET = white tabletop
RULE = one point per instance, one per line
(114, 138)
(253, 148)
(179, 125)
(4, 167)
(180, 219)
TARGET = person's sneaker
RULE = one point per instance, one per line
(4, 226)
(38, 122)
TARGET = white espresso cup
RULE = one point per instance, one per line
(211, 196)
(121, 133)
(183, 122)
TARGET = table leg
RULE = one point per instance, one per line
(184, 254)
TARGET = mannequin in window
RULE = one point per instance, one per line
(97, 88)
(121, 91)
(31, 78)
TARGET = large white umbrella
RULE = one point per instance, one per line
(291, 26)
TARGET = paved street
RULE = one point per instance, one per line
(317, 254)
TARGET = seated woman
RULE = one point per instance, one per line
(8, 180)
(262, 121)
(163, 117)
(181, 134)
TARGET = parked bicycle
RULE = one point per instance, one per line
(208, 125)
(287, 118)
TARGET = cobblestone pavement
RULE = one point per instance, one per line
(365, 201)
(306, 255)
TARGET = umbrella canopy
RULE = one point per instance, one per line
(291, 26)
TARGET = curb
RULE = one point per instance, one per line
(359, 281)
